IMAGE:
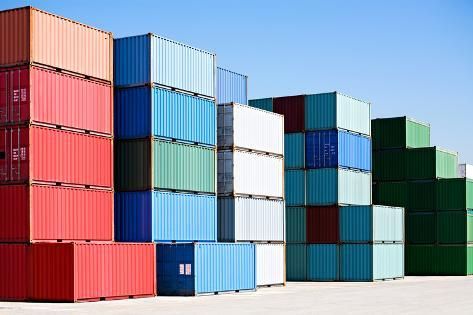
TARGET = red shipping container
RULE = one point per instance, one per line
(293, 109)
(13, 272)
(32, 94)
(72, 272)
(43, 213)
(40, 154)
(322, 225)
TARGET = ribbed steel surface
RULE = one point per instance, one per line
(323, 225)
(430, 163)
(454, 194)
(292, 107)
(296, 262)
(156, 216)
(455, 227)
(294, 150)
(152, 111)
(296, 221)
(399, 132)
(133, 165)
(200, 268)
(250, 219)
(421, 227)
(263, 103)
(323, 262)
(231, 87)
(246, 127)
(14, 272)
(270, 264)
(150, 58)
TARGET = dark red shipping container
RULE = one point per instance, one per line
(322, 225)
(51, 213)
(13, 272)
(33, 94)
(293, 109)
(40, 154)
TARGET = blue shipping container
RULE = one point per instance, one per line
(296, 262)
(157, 216)
(337, 148)
(294, 152)
(152, 111)
(145, 59)
(262, 103)
(203, 268)
(322, 262)
(294, 187)
(231, 87)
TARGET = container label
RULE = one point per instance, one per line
(185, 269)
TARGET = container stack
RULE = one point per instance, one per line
(165, 166)
(56, 166)
(250, 182)
(408, 172)
(331, 223)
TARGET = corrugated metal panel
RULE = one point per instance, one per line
(133, 165)
(250, 219)
(323, 262)
(371, 224)
(155, 216)
(41, 35)
(33, 94)
(263, 103)
(421, 195)
(356, 262)
(132, 60)
(464, 170)
(338, 186)
(390, 193)
(296, 262)
(191, 269)
(421, 227)
(455, 227)
(430, 163)
(295, 187)
(353, 114)
(388, 261)
(43, 154)
(153, 111)
(231, 87)
(183, 167)
(294, 150)
(292, 107)
(333, 148)
(248, 173)
(14, 272)
(421, 260)
(399, 132)
(37, 212)
(270, 264)
(389, 165)
(455, 260)
(296, 221)
(72, 272)
(454, 194)
(246, 127)
(322, 225)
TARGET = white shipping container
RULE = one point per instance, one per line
(249, 173)
(465, 170)
(246, 127)
(270, 264)
(250, 219)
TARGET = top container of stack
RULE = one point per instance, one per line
(152, 59)
(32, 36)
(399, 133)
(231, 87)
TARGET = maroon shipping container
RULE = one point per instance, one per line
(40, 154)
(322, 225)
(33, 94)
(13, 272)
(52, 213)
(293, 109)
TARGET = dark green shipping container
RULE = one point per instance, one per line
(421, 228)
(389, 165)
(421, 195)
(399, 132)
(455, 227)
(441, 260)
(454, 194)
(133, 165)
(390, 194)
(421, 260)
(430, 163)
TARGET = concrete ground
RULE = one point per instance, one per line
(413, 295)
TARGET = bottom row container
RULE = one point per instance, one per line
(346, 262)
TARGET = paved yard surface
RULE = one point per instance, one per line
(413, 295)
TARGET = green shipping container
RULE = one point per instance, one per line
(421, 260)
(454, 194)
(421, 228)
(398, 133)
(430, 163)
(421, 195)
(296, 222)
(390, 194)
(296, 262)
(442, 260)
(171, 166)
(389, 165)
(455, 227)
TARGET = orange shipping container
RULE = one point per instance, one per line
(29, 35)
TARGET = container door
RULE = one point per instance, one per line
(4, 145)
(19, 95)
(3, 97)
(19, 154)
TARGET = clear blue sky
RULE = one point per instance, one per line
(411, 58)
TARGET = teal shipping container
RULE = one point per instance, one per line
(295, 190)
(296, 262)
(296, 223)
(262, 103)
(330, 186)
(370, 262)
(323, 262)
(294, 150)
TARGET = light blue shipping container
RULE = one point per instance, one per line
(205, 268)
(330, 186)
(371, 224)
(335, 110)
(157, 216)
(150, 58)
(294, 184)
(296, 262)
(231, 87)
(337, 148)
(294, 150)
(369, 262)
(153, 111)
(262, 103)
(322, 262)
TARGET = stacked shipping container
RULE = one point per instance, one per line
(56, 165)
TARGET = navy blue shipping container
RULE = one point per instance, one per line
(205, 268)
(157, 216)
(231, 87)
(337, 148)
(153, 111)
